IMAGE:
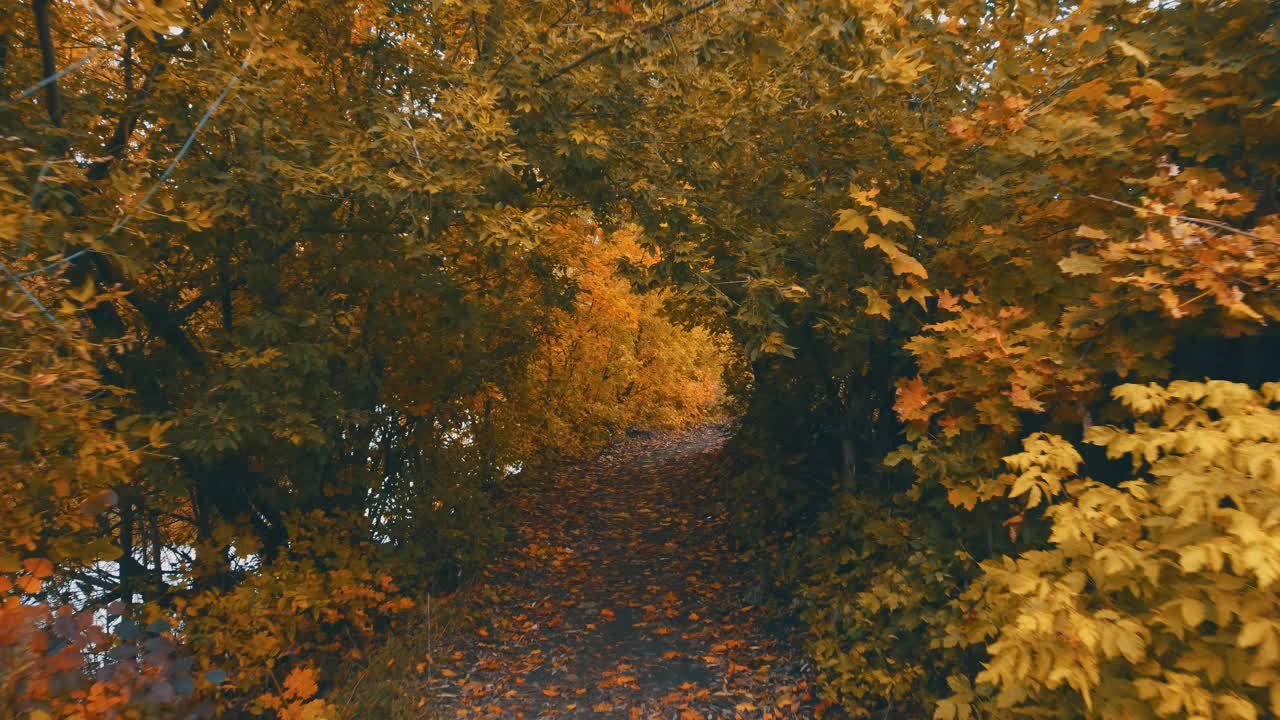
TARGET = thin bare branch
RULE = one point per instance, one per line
(48, 62)
(597, 52)
(1186, 218)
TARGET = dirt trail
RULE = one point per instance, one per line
(620, 598)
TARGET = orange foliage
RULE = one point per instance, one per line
(612, 361)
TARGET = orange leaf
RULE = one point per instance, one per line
(913, 399)
(39, 567)
(300, 684)
(947, 301)
(1021, 398)
(904, 264)
(29, 585)
(1085, 231)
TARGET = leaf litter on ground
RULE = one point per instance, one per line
(619, 596)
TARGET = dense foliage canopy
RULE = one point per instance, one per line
(290, 286)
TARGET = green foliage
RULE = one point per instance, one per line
(875, 588)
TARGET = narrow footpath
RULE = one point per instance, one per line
(619, 597)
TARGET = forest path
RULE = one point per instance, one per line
(619, 597)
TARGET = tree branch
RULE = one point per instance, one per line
(186, 311)
(597, 52)
(119, 141)
(4, 56)
(115, 147)
(48, 60)
(1186, 218)
(209, 8)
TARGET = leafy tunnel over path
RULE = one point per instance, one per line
(290, 286)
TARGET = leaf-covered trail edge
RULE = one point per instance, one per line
(619, 596)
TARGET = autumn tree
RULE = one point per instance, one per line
(268, 270)
(295, 264)
(976, 221)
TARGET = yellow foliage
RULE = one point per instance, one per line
(612, 361)
(1156, 598)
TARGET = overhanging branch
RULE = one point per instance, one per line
(648, 29)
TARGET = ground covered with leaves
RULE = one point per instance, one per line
(621, 597)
